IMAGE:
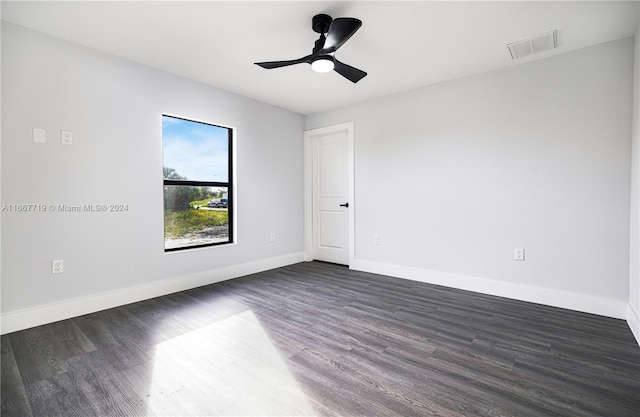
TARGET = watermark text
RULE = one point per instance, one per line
(64, 208)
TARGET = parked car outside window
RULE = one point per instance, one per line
(218, 203)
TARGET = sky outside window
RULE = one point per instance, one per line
(197, 151)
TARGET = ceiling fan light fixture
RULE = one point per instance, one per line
(322, 64)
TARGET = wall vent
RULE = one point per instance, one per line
(543, 42)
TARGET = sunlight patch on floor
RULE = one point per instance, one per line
(228, 368)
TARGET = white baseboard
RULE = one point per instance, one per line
(556, 298)
(23, 319)
(633, 319)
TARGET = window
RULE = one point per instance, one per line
(198, 184)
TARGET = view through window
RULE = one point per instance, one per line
(197, 159)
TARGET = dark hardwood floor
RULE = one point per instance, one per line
(318, 339)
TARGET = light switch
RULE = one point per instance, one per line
(66, 137)
(39, 135)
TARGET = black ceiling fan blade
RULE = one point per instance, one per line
(347, 71)
(340, 31)
(279, 64)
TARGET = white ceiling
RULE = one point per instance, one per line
(402, 45)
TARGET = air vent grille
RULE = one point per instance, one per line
(543, 42)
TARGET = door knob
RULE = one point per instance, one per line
(344, 205)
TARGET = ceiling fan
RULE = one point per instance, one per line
(333, 34)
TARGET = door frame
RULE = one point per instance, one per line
(309, 135)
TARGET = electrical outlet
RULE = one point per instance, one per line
(57, 266)
(66, 137)
(376, 240)
(272, 237)
(518, 254)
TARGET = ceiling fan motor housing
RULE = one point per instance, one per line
(321, 23)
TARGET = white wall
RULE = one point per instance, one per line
(453, 177)
(113, 107)
(633, 315)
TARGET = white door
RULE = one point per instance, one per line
(330, 194)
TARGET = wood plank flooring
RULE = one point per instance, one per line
(318, 339)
